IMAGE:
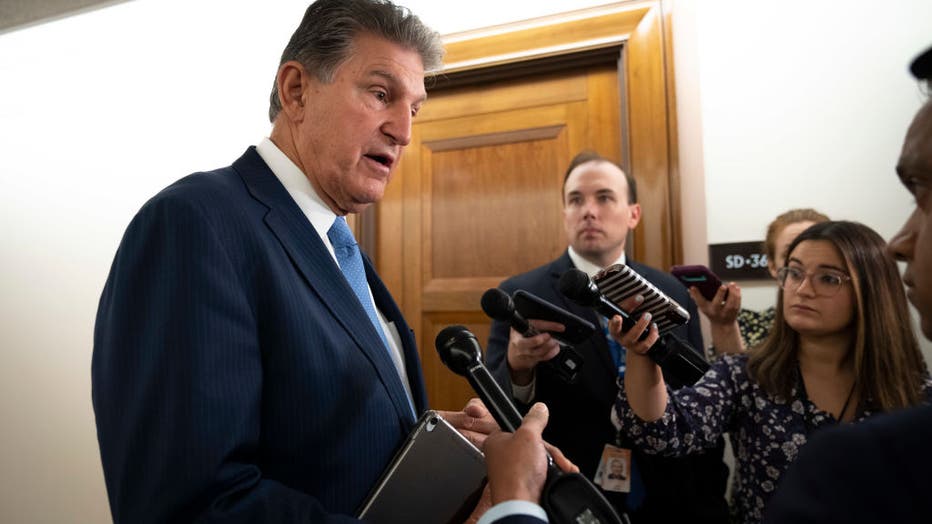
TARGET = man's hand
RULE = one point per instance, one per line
(517, 462)
(474, 421)
(524, 353)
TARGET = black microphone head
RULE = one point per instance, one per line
(458, 348)
(578, 287)
(497, 304)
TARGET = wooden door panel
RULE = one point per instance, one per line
(504, 96)
(480, 199)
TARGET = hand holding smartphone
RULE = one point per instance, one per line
(700, 277)
(531, 306)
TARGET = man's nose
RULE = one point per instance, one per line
(398, 125)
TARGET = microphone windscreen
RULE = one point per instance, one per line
(497, 304)
(458, 348)
(576, 285)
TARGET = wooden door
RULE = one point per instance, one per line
(478, 198)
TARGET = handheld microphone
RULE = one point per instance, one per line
(681, 364)
(459, 350)
(578, 287)
(498, 305)
(568, 498)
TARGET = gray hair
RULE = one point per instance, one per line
(324, 40)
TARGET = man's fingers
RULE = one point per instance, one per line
(477, 420)
(475, 408)
(536, 418)
(546, 325)
(560, 459)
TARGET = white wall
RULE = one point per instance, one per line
(99, 111)
(795, 103)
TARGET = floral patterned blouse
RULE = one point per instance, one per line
(755, 325)
(766, 432)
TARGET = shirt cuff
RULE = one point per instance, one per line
(524, 393)
(513, 507)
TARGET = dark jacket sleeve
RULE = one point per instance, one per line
(496, 351)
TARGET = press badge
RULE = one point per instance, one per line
(614, 471)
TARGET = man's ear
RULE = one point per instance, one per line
(634, 215)
(293, 82)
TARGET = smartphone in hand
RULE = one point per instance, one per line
(700, 277)
(529, 305)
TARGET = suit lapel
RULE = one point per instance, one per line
(386, 304)
(312, 259)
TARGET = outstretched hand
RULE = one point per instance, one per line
(630, 338)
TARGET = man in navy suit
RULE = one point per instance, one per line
(236, 375)
(879, 470)
(600, 208)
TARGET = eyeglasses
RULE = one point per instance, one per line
(824, 283)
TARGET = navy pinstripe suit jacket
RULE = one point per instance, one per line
(233, 378)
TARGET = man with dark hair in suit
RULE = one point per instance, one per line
(600, 208)
(878, 470)
(249, 365)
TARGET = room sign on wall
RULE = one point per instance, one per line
(739, 261)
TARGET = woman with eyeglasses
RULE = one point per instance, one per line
(734, 328)
(841, 350)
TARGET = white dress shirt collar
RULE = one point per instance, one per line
(299, 187)
(588, 267)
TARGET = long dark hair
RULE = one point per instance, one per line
(889, 368)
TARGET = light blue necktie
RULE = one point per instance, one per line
(350, 262)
